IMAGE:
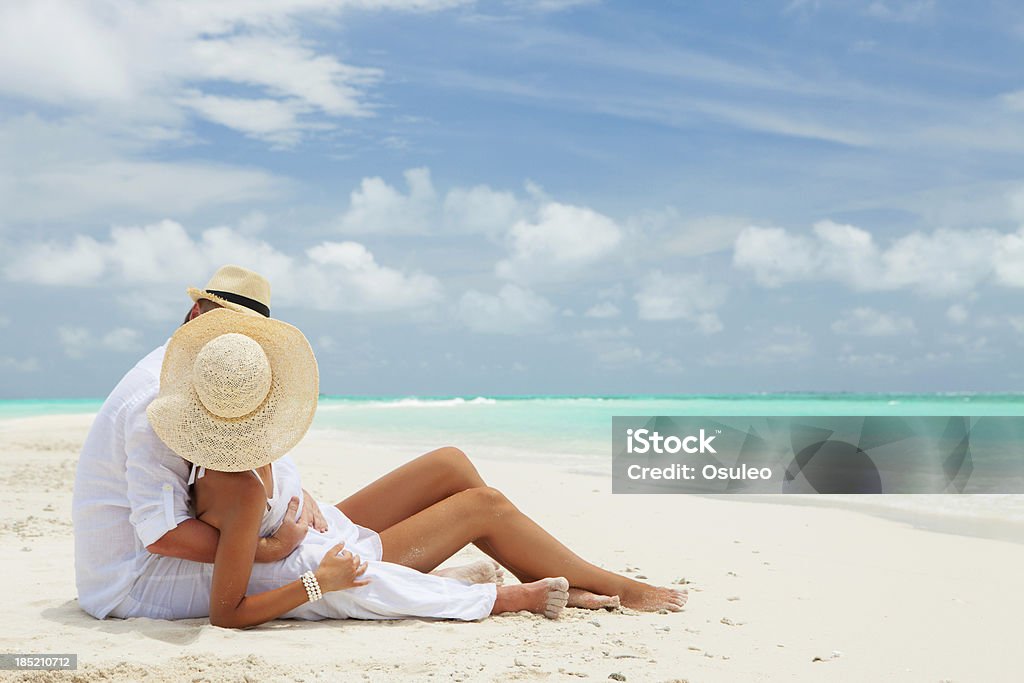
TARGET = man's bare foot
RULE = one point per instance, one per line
(547, 597)
(481, 571)
(653, 598)
(587, 600)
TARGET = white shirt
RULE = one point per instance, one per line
(130, 489)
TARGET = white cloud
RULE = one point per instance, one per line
(784, 122)
(615, 348)
(156, 61)
(604, 309)
(480, 209)
(46, 46)
(906, 11)
(775, 256)
(548, 240)
(802, 6)
(781, 344)
(155, 253)
(179, 187)
(963, 205)
(79, 341)
(604, 334)
(376, 207)
(73, 169)
(628, 355)
(786, 343)
(152, 258)
(345, 276)
(552, 5)
(688, 297)
(379, 208)
(670, 232)
(867, 322)
(1013, 100)
(4, 321)
(946, 261)
(1008, 258)
(870, 361)
(113, 82)
(514, 310)
(282, 65)
(564, 240)
(940, 263)
(958, 314)
(272, 120)
(75, 340)
(50, 263)
(122, 339)
(973, 347)
(11, 364)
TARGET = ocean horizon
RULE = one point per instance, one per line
(581, 421)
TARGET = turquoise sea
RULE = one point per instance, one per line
(581, 425)
(576, 431)
(578, 425)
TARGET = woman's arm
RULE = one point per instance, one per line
(236, 505)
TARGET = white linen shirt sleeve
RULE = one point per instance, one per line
(157, 478)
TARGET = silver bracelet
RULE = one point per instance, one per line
(313, 591)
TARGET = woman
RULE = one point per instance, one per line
(237, 392)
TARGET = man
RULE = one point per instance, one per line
(137, 548)
(130, 505)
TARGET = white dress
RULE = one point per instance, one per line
(394, 591)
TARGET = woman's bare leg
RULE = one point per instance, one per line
(411, 488)
(423, 482)
(414, 487)
(484, 516)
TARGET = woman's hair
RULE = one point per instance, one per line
(204, 306)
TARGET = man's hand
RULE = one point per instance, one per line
(289, 535)
(319, 522)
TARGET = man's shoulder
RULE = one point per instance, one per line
(147, 370)
(152, 362)
(140, 385)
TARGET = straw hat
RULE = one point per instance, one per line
(236, 391)
(237, 288)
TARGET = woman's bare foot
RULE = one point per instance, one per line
(481, 571)
(653, 598)
(587, 600)
(547, 597)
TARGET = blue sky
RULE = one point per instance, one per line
(522, 197)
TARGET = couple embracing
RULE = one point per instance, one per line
(187, 505)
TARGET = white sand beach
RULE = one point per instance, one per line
(777, 592)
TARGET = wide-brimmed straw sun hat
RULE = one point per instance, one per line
(237, 288)
(236, 391)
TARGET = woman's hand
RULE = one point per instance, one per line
(339, 570)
